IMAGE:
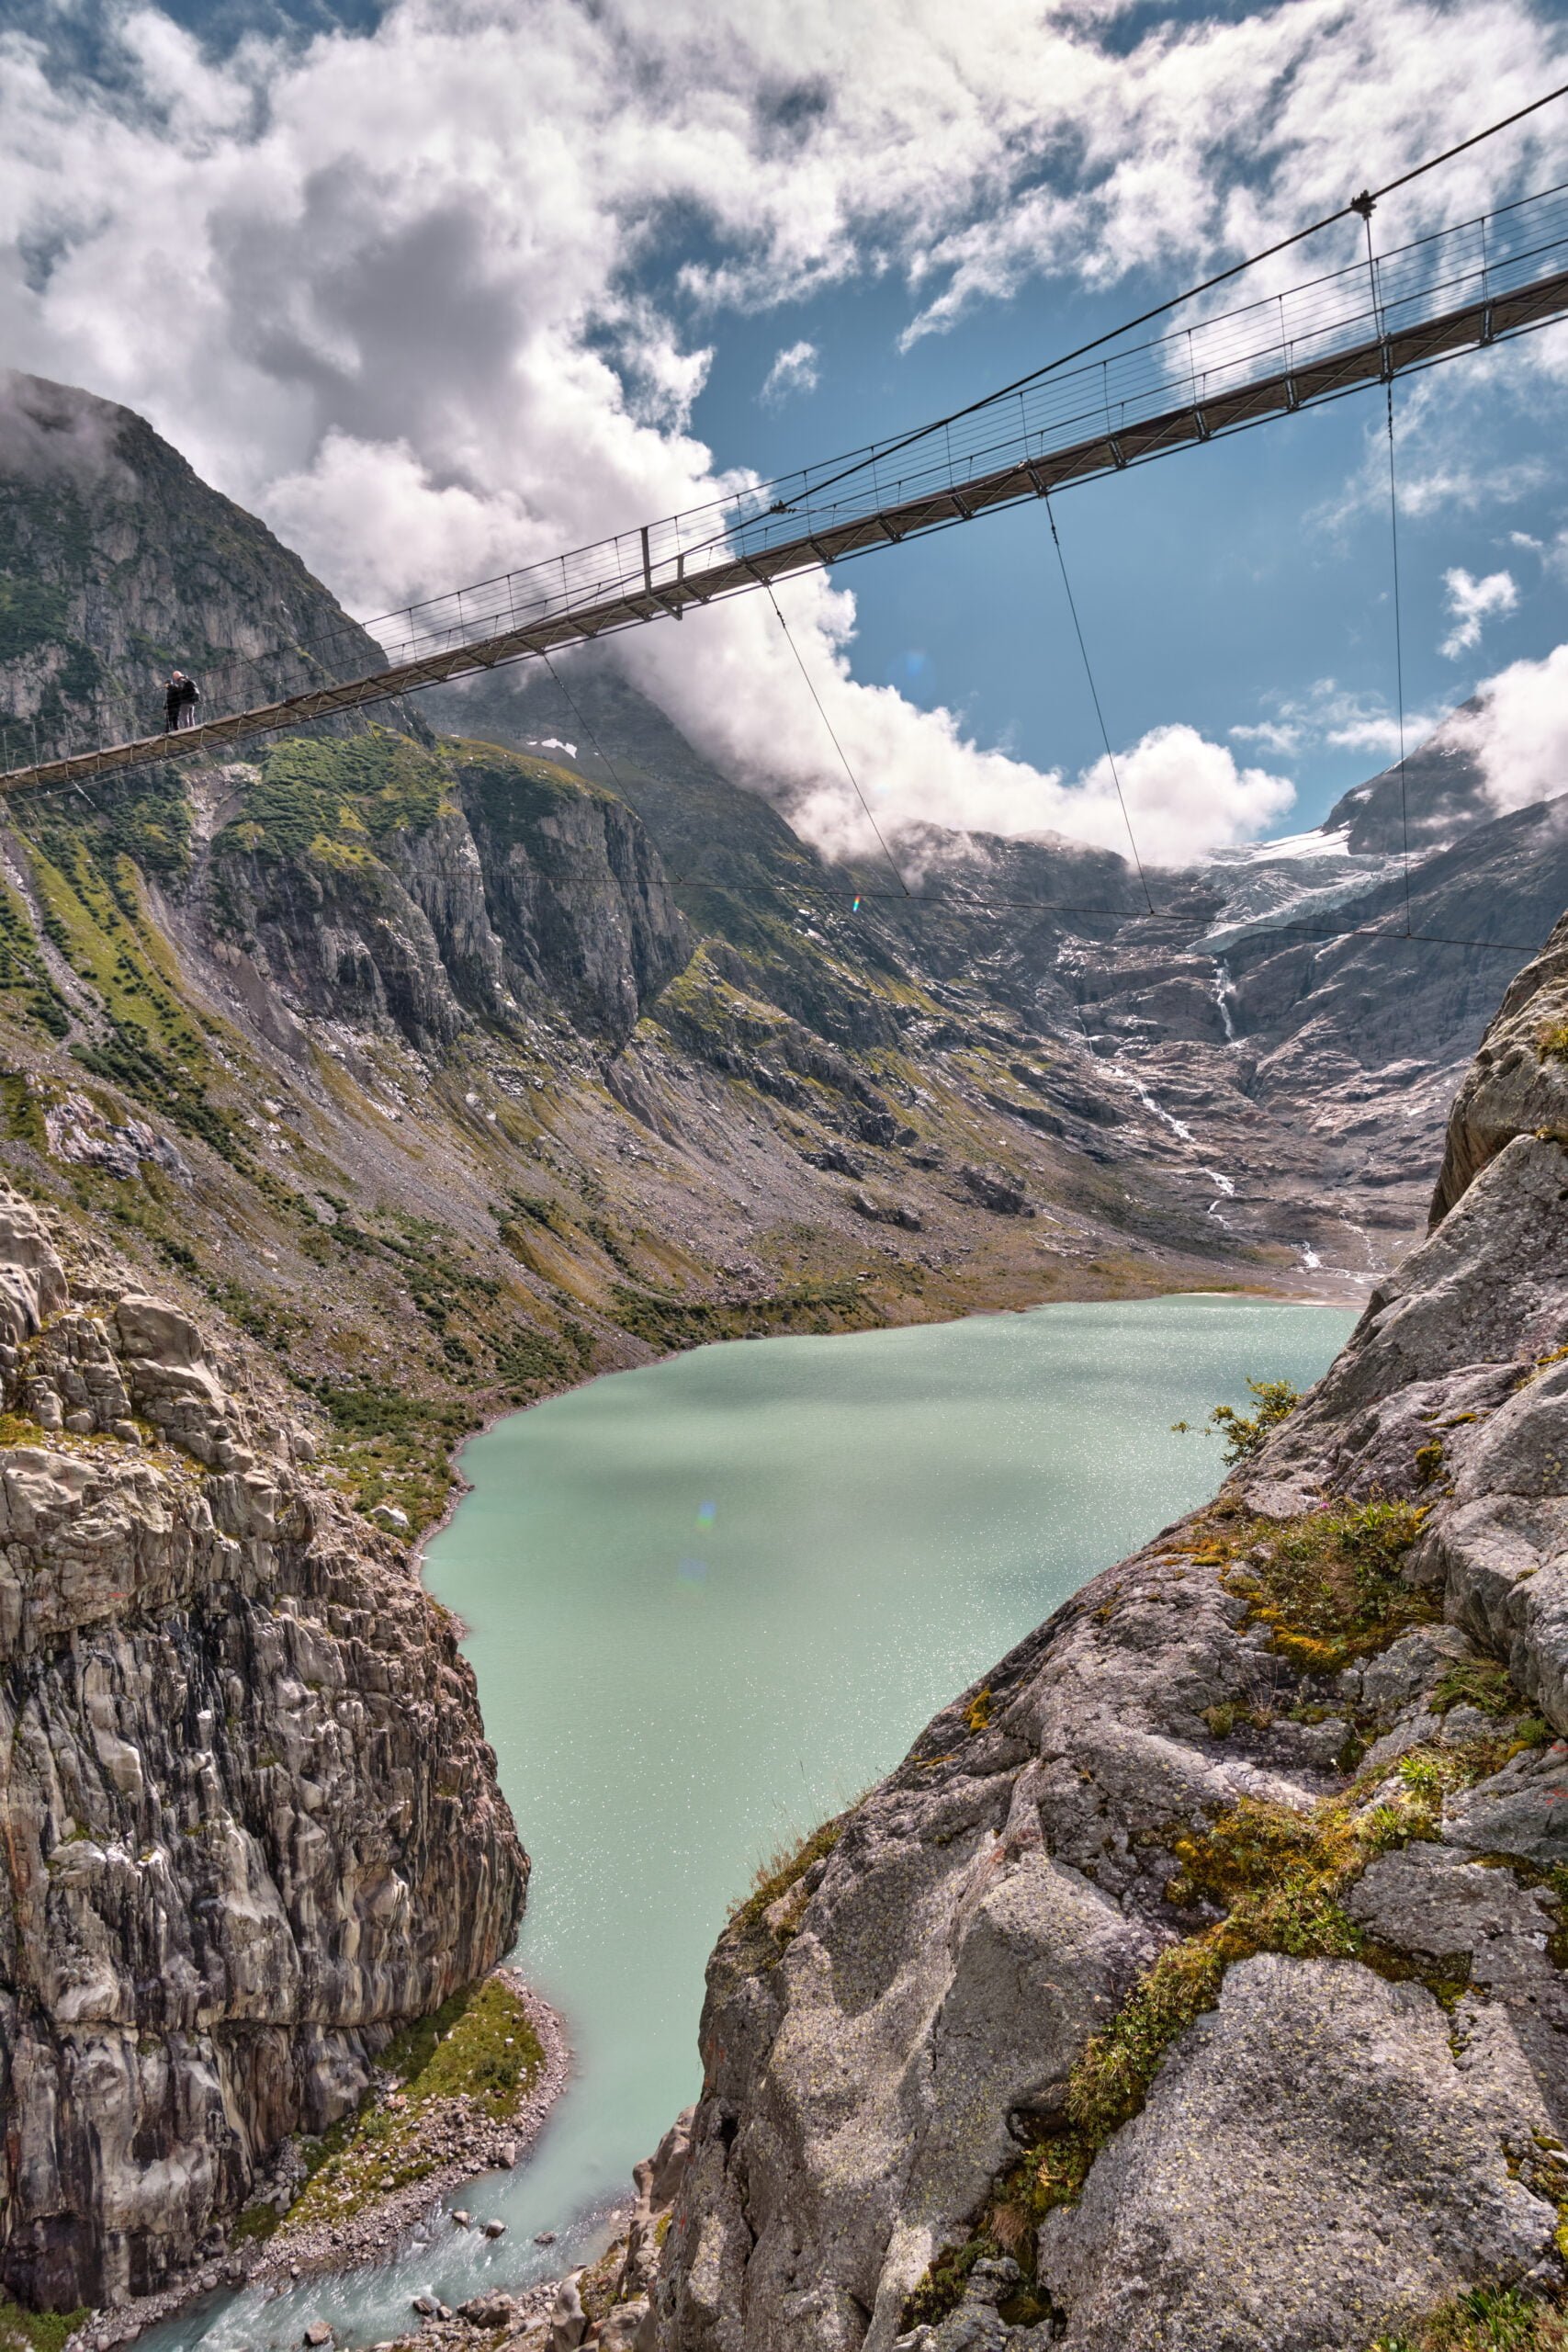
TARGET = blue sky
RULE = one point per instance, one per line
(458, 283)
(1215, 587)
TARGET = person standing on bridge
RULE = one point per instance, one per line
(180, 697)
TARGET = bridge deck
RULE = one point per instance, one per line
(724, 566)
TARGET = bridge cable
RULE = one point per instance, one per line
(1398, 656)
(1364, 205)
(588, 730)
(892, 861)
(1356, 204)
(1094, 694)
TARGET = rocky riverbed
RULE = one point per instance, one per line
(407, 2153)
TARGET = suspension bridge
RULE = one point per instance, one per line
(1468, 288)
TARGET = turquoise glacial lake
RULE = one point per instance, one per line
(711, 1601)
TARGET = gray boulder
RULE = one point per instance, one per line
(568, 2320)
(1311, 2166)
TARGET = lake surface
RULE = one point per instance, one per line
(710, 1602)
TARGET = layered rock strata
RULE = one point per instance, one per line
(250, 1817)
(1356, 1823)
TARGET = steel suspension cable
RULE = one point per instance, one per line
(1364, 205)
(1398, 656)
(892, 861)
(1122, 915)
(1094, 694)
(1361, 204)
(582, 722)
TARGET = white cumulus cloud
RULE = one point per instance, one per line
(1340, 718)
(740, 691)
(1517, 730)
(1277, 735)
(1471, 603)
(794, 369)
(409, 294)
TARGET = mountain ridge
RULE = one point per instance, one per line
(433, 1073)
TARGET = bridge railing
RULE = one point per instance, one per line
(1198, 361)
(1474, 261)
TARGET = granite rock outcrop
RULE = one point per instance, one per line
(251, 1822)
(1199, 1977)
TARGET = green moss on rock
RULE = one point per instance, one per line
(1329, 1584)
(1487, 2318)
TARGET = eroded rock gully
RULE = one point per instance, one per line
(1364, 2114)
(250, 1817)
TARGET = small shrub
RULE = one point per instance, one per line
(782, 1870)
(390, 1445)
(941, 2289)
(255, 2224)
(1475, 1682)
(24, 2331)
(664, 1320)
(1428, 1775)
(22, 1109)
(1244, 1433)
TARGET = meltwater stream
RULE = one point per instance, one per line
(709, 1601)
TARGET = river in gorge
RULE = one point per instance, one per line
(710, 1601)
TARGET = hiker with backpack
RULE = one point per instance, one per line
(180, 698)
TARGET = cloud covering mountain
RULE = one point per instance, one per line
(437, 299)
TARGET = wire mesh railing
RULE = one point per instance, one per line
(680, 558)
(1476, 261)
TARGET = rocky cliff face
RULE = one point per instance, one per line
(418, 892)
(1269, 1059)
(250, 1818)
(1199, 1978)
(117, 562)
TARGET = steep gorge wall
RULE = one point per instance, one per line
(250, 1818)
(423, 891)
(1199, 1977)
